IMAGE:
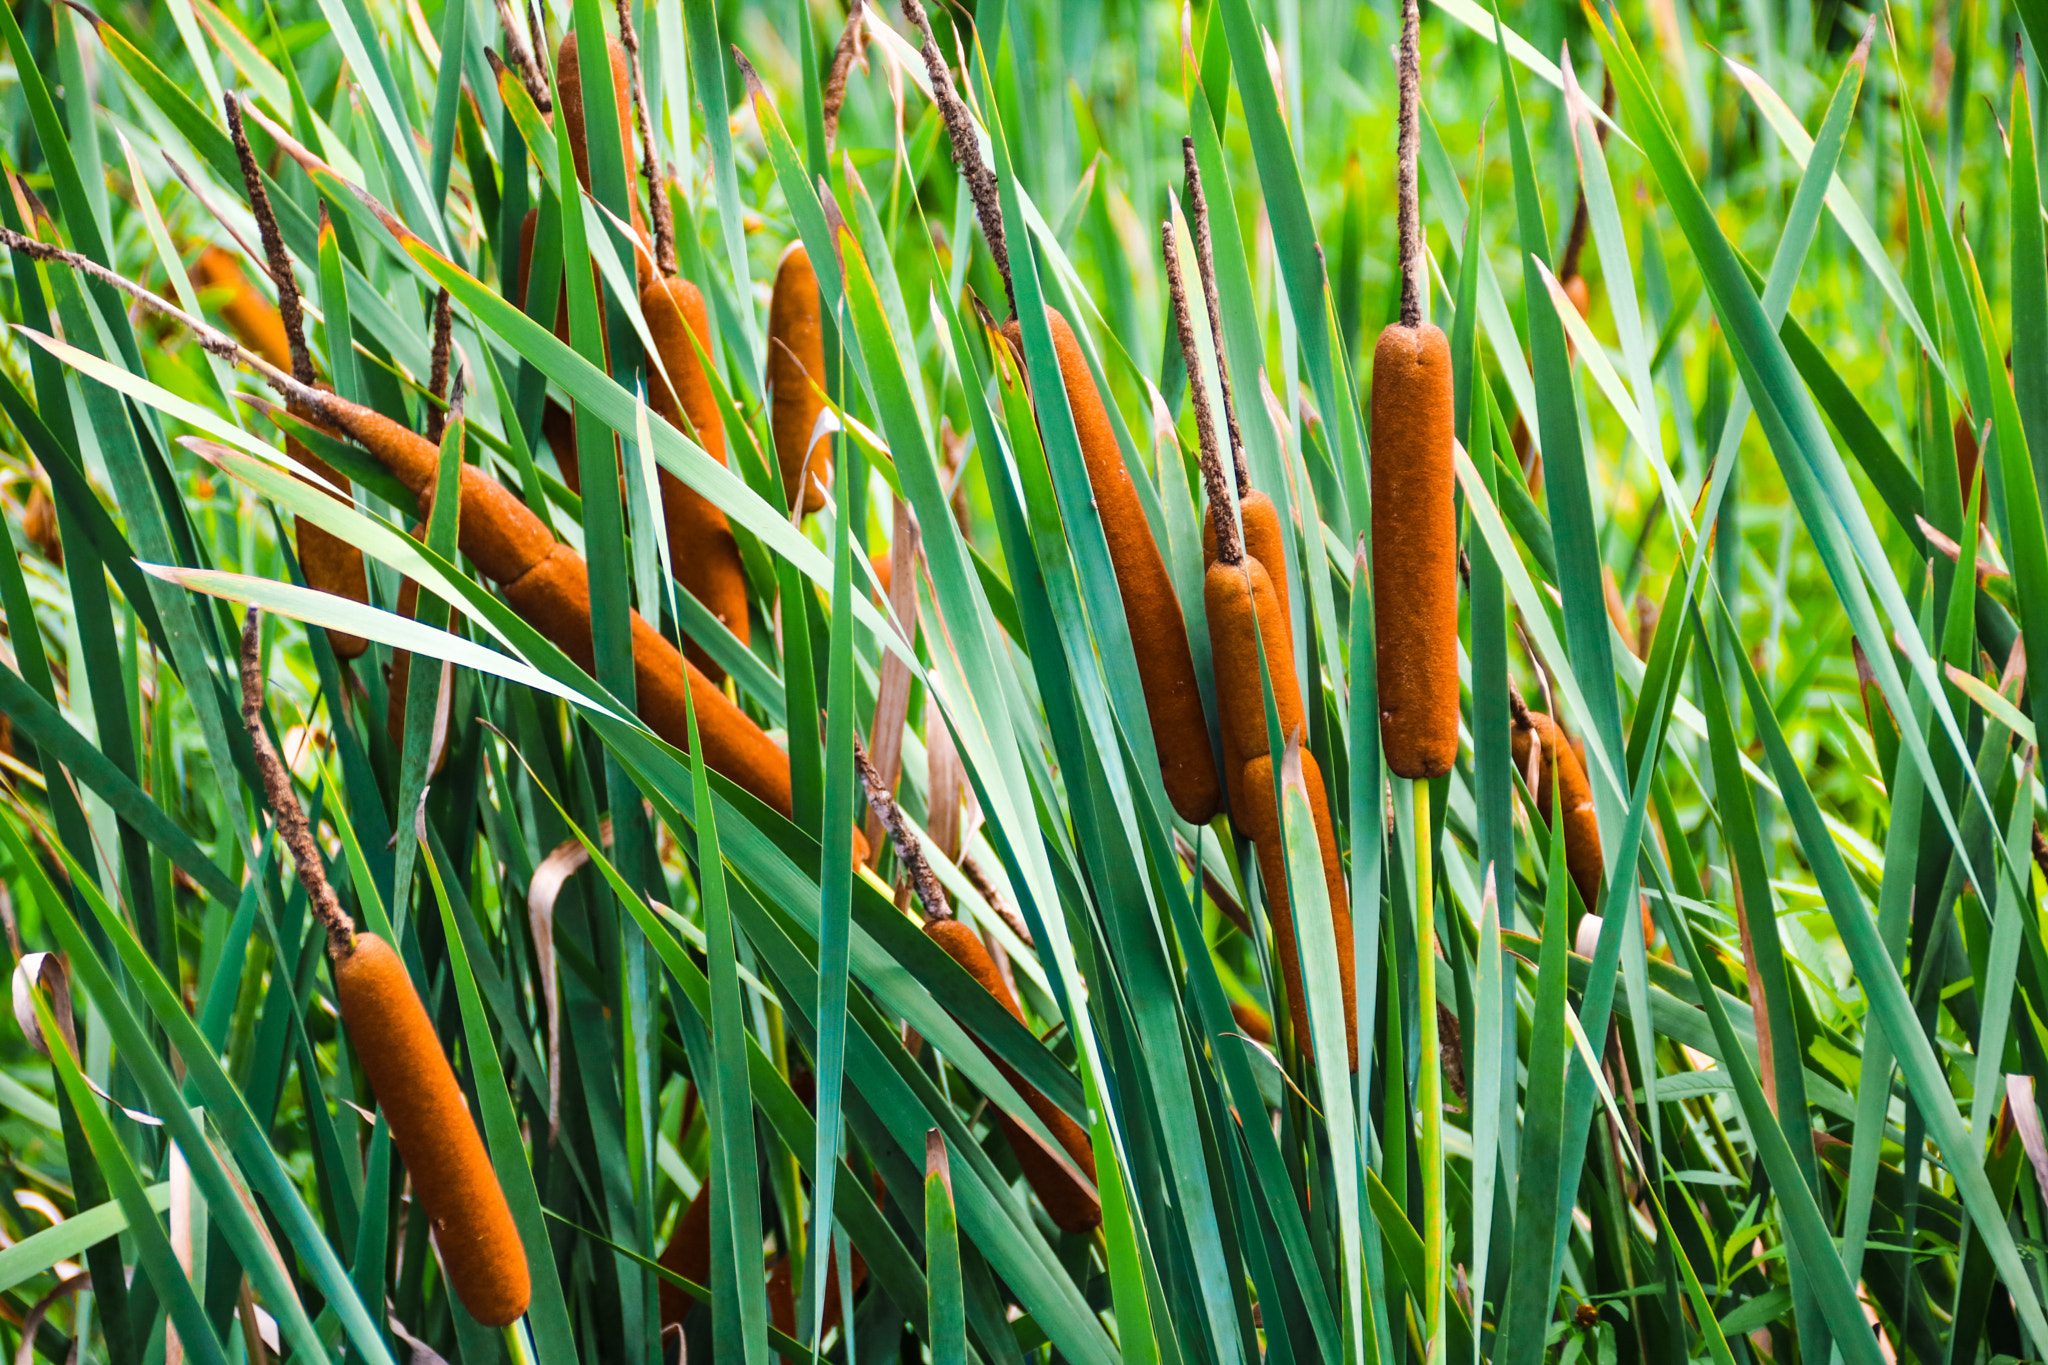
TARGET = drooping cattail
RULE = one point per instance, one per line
(1414, 529)
(705, 556)
(253, 319)
(1262, 816)
(453, 1180)
(1072, 1206)
(1159, 638)
(1560, 781)
(796, 361)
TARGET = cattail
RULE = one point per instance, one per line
(1967, 456)
(1263, 818)
(1245, 614)
(569, 74)
(1166, 664)
(796, 361)
(687, 1254)
(782, 1294)
(330, 563)
(253, 319)
(1560, 778)
(1252, 1021)
(552, 594)
(1073, 1206)
(39, 524)
(452, 1177)
(705, 556)
(1414, 529)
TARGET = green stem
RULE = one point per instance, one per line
(1430, 1087)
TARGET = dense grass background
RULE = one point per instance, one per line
(1815, 985)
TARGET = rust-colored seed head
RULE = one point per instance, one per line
(452, 1177)
(1263, 817)
(554, 598)
(1252, 1021)
(782, 1294)
(569, 74)
(796, 359)
(688, 1254)
(253, 319)
(330, 563)
(1262, 541)
(1166, 664)
(1561, 774)
(700, 540)
(1232, 593)
(494, 527)
(1967, 456)
(1581, 294)
(1415, 550)
(1073, 1207)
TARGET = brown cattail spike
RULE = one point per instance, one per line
(850, 49)
(661, 214)
(1205, 263)
(1559, 778)
(1414, 532)
(796, 370)
(703, 552)
(569, 71)
(1224, 529)
(1159, 638)
(452, 1176)
(275, 256)
(1262, 816)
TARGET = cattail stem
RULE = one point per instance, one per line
(1205, 264)
(909, 849)
(1229, 541)
(274, 254)
(285, 811)
(981, 181)
(661, 214)
(213, 339)
(1429, 1088)
(1411, 144)
(521, 52)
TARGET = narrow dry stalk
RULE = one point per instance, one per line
(851, 48)
(277, 259)
(660, 213)
(1229, 539)
(909, 849)
(977, 877)
(286, 813)
(1411, 145)
(437, 377)
(521, 53)
(214, 340)
(981, 181)
(1205, 264)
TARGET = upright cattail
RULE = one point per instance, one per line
(569, 75)
(782, 1294)
(1414, 529)
(1159, 638)
(796, 362)
(452, 1177)
(1968, 466)
(705, 556)
(1540, 746)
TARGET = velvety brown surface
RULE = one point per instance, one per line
(1263, 816)
(700, 540)
(554, 598)
(253, 318)
(330, 563)
(1560, 773)
(1231, 593)
(1072, 1207)
(1260, 520)
(796, 359)
(1415, 550)
(495, 527)
(569, 74)
(452, 1178)
(1159, 637)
